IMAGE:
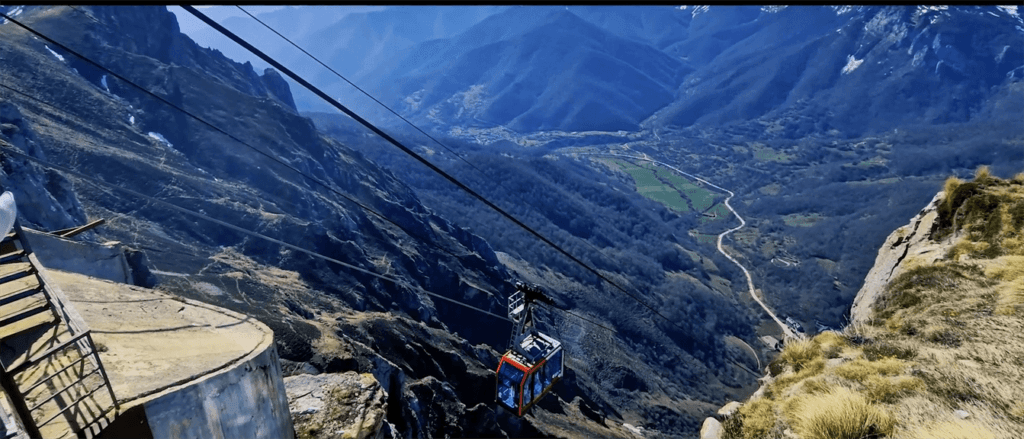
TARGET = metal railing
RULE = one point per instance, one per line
(73, 394)
(78, 379)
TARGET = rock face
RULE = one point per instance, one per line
(46, 200)
(911, 242)
(712, 429)
(345, 405)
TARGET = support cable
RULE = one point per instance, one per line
(232, 137)
(248, 232)
(413, 154)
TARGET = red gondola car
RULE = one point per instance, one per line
(533, 363)
(525, 379)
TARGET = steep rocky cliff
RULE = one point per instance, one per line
(935, 346)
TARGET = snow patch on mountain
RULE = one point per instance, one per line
(158, 137)
(55, 54)
(12, 13)
(851, 64)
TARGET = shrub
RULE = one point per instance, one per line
(982, 174)
(754, 419)
(799, 354)
(951, 184)
(951, 204)
(839, 414)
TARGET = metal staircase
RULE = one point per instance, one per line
(51, 372)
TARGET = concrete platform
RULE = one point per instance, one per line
(150, 342)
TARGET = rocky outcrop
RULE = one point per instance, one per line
(46, 200)
(345, 405)
(712, 429)
(911, 242)
(278, 87)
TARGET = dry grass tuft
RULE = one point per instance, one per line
(859, 370)
(890, 390)
(1017, 412)
(800, 354)
(954, 430)
(982, 173)
(950, 186)
(839, 414)
(1019, 178)
(1010, 270)
(754, 419)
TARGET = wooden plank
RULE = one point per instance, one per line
(67, 233)
(21, 308)
(26, 324)
(12, 256)
(60, 301)
(14, 270)
(11, 291)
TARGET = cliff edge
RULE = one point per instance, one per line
(935, 348)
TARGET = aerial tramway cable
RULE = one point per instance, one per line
(256, 234)
(408, 122)
(292, 246)
(245, 231)
(236, 139)
(266, 58)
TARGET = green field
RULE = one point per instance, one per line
(701, 199)
(674, 191)
(719, 212)
(648, 185)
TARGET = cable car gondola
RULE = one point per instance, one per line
(533, 363)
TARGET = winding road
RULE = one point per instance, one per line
(789, 333)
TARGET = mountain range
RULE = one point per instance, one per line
(830, 125)
(664, 67)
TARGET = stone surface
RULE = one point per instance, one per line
(153, 341)
(910, 241)
(102, 261)
(247, 400)
(336, 405)
(712, 429)
(729, 409)
(961, 414)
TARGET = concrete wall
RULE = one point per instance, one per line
(247, 400)
(99, 261)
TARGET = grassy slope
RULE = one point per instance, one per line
(944, 336)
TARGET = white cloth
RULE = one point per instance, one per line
(8, 213)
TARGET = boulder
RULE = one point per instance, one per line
(712, 429)
(729, 409)
(348, 405)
